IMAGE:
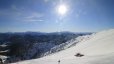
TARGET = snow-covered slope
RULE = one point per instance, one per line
(97, 50)
(67, 44)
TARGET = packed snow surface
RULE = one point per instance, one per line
(99, 49)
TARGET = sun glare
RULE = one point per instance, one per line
(62, 9)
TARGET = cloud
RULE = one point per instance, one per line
(33, 20)
(11, 12)
(46, 1)
(33, 17)
(14, 7)
(15, 13)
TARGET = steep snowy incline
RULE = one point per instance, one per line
(101, 43)
(98, 50)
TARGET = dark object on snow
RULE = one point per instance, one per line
(79, 55)
(59, 61)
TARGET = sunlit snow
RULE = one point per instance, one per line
(99, 49)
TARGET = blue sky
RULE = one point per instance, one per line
(42, 15)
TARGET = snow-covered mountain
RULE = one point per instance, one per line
(31, 45)
(99, 49)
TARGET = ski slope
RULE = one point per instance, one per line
(99, 49)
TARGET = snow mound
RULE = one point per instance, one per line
(99, 49)
(101, 43)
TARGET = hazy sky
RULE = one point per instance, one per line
(42, 15)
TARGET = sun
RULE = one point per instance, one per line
(62, 9)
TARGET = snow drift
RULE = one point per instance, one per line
(99, 49)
